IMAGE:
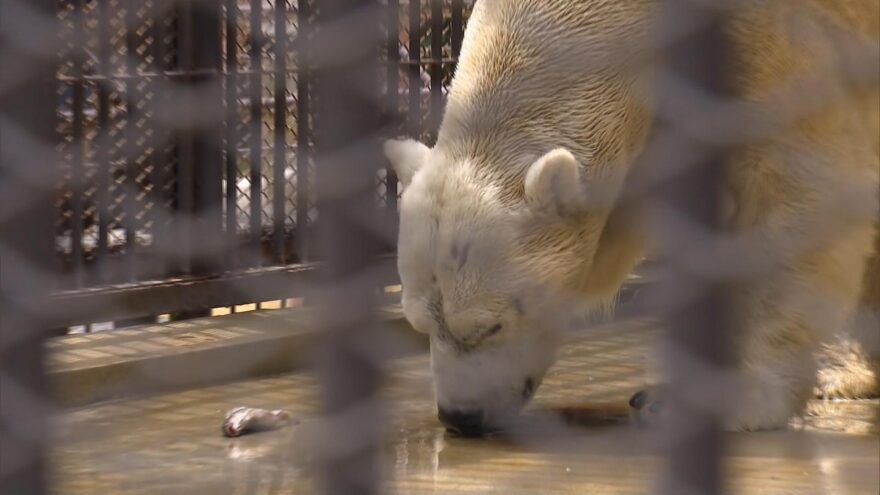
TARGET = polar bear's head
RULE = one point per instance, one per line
(486, 265)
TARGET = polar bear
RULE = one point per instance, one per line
(513, 221)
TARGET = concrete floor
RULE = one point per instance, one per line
(172, 444)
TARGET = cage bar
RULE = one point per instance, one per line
(456, 35)
(279, 183)
(350, 112)
(436, 110)
(28, 172)
(256, 128)
(159, 159)
(184, 145)
(79, 144)
(131, 151)
(208, 60)
(694, 440)
(303, 128)
(392, 94)
(415, 80)
(102, 154)
(231, 123)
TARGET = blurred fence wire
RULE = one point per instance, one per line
(163, 159)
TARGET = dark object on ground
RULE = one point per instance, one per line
(593, 414)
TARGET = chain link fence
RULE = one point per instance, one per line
(175, 160)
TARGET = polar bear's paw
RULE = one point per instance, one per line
(650, 407)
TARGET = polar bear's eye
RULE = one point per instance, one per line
(518, 306)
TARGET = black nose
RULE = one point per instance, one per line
(638, 399)
(464, 423)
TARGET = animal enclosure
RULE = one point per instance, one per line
(198, 216)
(131, 175)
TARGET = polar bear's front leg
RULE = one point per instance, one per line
(772, 384)
(784, 316)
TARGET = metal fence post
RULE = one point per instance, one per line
(302, 244)
(702, 330)
(27, 180)
(207, 154)
(346, 72)
(200, 166)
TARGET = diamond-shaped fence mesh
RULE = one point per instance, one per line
(125, 173)
(171, 168)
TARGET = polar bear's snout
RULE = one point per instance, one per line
(475, 422)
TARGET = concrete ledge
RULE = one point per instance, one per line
(89, 368)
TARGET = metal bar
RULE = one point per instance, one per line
(191, 293)
(208, 155)
(695, 444)
(256, 155)
(415, 80)
(132, 96)
(232, 117)
(436, 70)
(77, 170)
(119, 302)
(279, 183)
(350, 116)
(303, 134)
(28, 170)
(457, 29)
(392, 95)
(185, 167)
(102, 154)
(177, 74)
(159, 158)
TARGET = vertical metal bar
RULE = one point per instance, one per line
(28, 169)
(232, 116)
(102, 154)
(207, 152)
(200, 176)
(131, 151)
(393, 94)
(436, 66)
(415, 80)
(256, 154)
(457, 29)
(79, 143)
(695, 443)
(350, 114)
(185, 167)
(303, 128)
(279, 184)
(159, 158)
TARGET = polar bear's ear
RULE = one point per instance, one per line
(553, 185)
(407, 157)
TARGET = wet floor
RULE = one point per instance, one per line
(172, 444)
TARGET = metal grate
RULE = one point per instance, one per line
(128, 175)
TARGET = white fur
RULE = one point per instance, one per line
(553, 184)
(406, 157)
(514, 218)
